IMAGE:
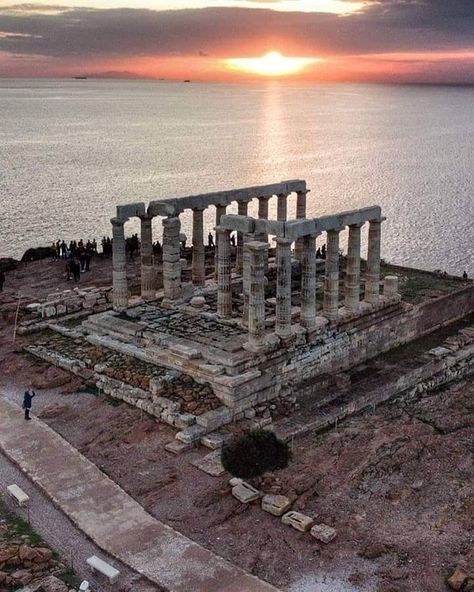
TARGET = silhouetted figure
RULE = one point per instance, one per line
(210, 240)
(464, 275)
(232, 240)
(182, 239)
(63, 250)
(88, 256)
(68, 270)
(27, 400)
(75, 269)
(2, 280)
(323, 252)
(318, 253)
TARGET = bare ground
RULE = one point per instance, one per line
(398, 485)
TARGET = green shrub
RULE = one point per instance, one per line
(254, 453)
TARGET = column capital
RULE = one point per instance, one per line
(337, 229)
(117, 222)
(282, 240)
(244, 200)
(257, 246)
(357, 225)
(303, 192)
(146, 217)
(199, 209)
(283, 194)
(379, 220)
(264, 197)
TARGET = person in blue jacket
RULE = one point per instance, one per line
(27, 399)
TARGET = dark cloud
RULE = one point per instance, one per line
(383, 26)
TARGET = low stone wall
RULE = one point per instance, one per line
(59, 304)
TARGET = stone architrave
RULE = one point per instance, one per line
(171, 260)
(283, 291)
(198, 262)
(372, 277)
(352, 280)
(308, 282)
(300, 215)
(282, 207)
(220, 211)
(331, 282)
(119, 263)
(258, 252)
(242, 210)
(224, 284)
(146, 252)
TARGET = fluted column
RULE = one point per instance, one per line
(199, 256)
(372, 277)
(224, 285)
(331, 282)
(308, 281)
(300, 215)
(242, 210)
(263, 213)
(246, 277)
(146, 252)
(258, 252)
(283, 288)
(119, 263)
(171, 260)
(352, 281)
(282, 207)
(220, 211)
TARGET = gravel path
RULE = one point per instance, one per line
(57, 530)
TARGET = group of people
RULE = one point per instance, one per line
(78, 256)
(211, 244)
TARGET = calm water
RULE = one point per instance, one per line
(71, 150)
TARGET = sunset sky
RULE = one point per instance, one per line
(333, 40)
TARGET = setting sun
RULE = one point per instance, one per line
(271, 64)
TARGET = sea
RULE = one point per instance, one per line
(71, 150)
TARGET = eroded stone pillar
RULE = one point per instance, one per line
(308, 281)
(146, 251)
(283, 288)
(331, 282)
(224, 276)
(263, 214)
(220, 211)
(300, 215)
(119, 264)
(258, 252)
(242, 210)
(171, 260)
(246, 277)
(199, 256)
(352, 281)
(372, 276)
(282, 207)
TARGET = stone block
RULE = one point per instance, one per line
(297, 520)
(276, 505)
(215, 440)
(61, 309)
(176, 447)
(49, 311)
(33, 307)
(212, 420)
(184, 420)
(243, 224)
(323, 533)
(198, 302)
(191, 435)
(185, 351)
(210, 464)
(245, 493)
(439, 352)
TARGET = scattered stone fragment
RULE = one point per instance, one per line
(215, 440)
(210, 464)
(235, 481)
(176, 447)
(275, 504)
(323, 533)
(245, 493)
(459, 576)
(297, 520)
(191, 435)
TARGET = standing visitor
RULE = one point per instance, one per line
(210, 240)
(27, 399)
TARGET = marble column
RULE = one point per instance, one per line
(199, 255)
(263, 214)
(372, 276)
(352, 280)
(224, 277)
(243, 208)
(146, 252)
(258, 252)
(246, 277)
(282, 207)
(308, 281)
(119, 265)
(300, 215)
(171, 260)
(220, 211)
(283, 287)
(331, 282)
